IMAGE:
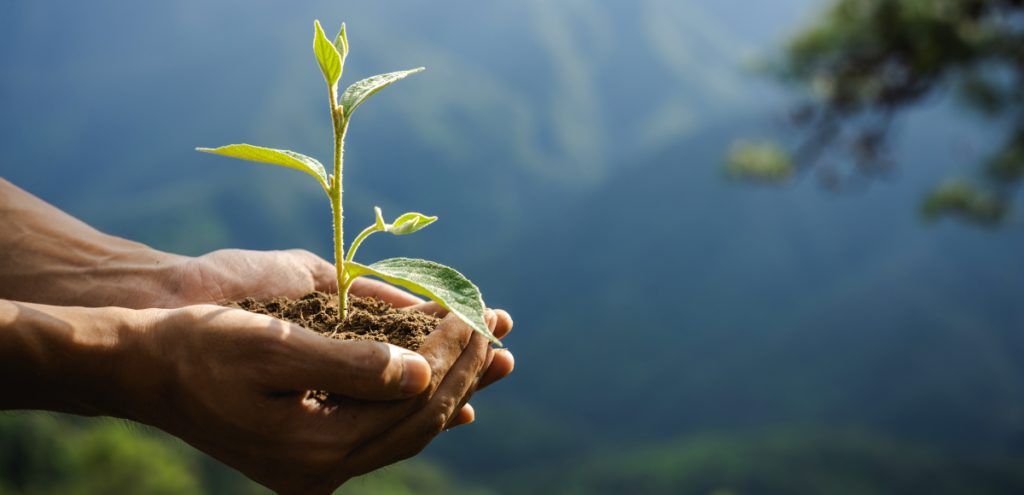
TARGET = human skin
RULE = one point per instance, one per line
(109, 327)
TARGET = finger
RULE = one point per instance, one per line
(411, 435)
(430, 308)
(500, 367)
(453, 394)
(325, 277)
(473, 388)
(359, 369)
(365, 287)
(492, 321)
(504, 324)
(465, 416)
(441, 349)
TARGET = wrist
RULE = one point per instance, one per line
(92, 274)
(131, 275)
(71, 359)
(144, 380)
(49, 257)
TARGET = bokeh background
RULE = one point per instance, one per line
(676, 331)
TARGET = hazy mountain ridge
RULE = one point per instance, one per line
(520, 117)
(716, 307)
(651, 299)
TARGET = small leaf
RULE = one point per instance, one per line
(327, 56)
(357, 93)
(380, 219)
(277, 157)
(442, 284)
(409, 223)
(341, 43)
(405, 224)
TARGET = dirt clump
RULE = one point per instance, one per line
(368, 318)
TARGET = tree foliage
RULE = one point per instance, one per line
(864, 62)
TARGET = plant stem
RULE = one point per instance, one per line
(339, 232)
(339, 126)
(359, 239)
(339, 252)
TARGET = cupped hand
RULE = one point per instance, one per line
(235, 274)
(498, 367)
(234, 384)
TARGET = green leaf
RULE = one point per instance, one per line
(277, 157)
(341, 43)
(327, 56)
(442, 284)
(357, 93)
(405, 224)
(409, 223)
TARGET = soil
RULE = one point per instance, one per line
(368, 318)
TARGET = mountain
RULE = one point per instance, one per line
(521, 108)
(572, 150)
(671, 302)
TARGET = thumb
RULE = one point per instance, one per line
(359, 369)
(325, 277)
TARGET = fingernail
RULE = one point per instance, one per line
(415, 373)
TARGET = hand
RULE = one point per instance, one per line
(501, 363)
(234, 274)
(233, 384)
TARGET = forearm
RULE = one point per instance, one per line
(69, 359)
(49, 257)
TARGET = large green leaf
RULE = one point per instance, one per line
(357, 93)
(327, 56)
(442, 284)
(277, 157)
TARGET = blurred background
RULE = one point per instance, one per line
(750, 247)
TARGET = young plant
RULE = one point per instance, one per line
(438, 282)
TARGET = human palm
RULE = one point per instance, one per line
(234, 274)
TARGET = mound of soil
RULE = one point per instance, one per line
(368, 318)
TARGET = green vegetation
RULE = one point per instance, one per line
(42, 455)
(784, 463)
(758, 161)
(963, 198)
(411, 478)
(54, 454)
(864, 62)
(444, 285)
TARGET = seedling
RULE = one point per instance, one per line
(444, 285)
